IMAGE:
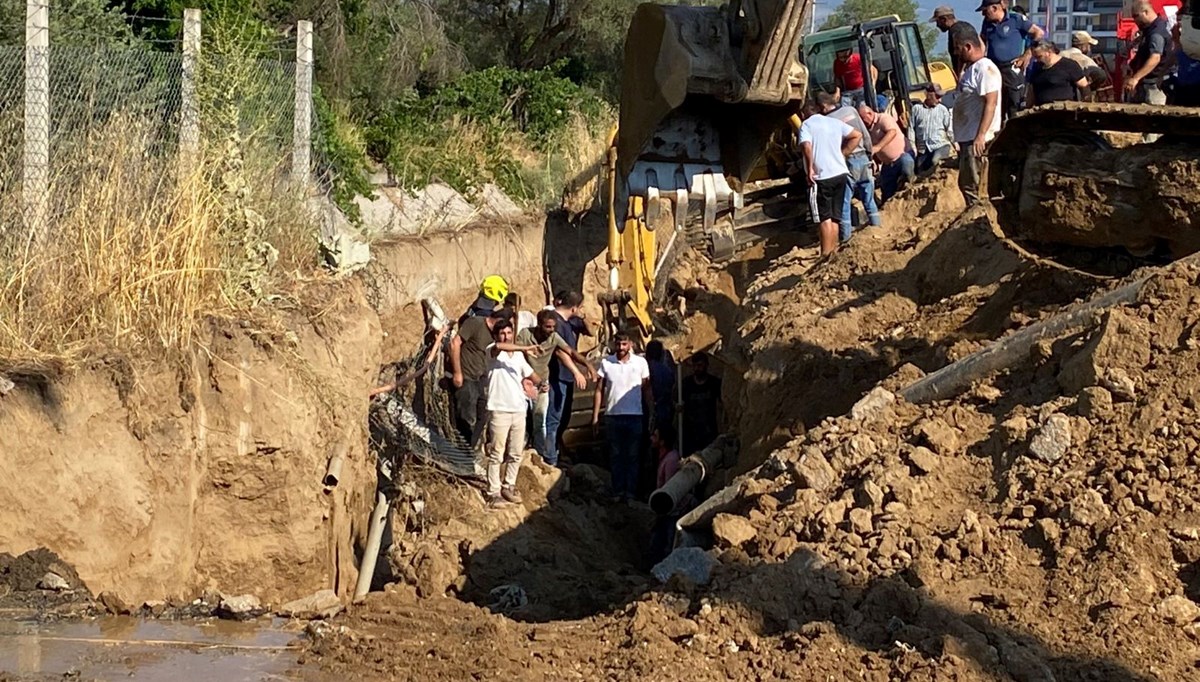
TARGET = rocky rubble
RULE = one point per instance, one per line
(1043, 525)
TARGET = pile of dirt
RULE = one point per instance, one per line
(1042, 525)
(40, 582)
(565, 551)
(931, 286)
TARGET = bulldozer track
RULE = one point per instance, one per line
(1085, 190)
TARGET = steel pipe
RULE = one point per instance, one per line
(693, 470)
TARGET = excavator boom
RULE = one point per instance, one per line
(704, 91)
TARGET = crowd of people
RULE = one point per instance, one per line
(513, 374)
(851, 149)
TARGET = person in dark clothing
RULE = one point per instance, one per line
(1149, 64)
(957, 31)
(701, 406)
(1005, 34)
(662, 383)
(468, 367)
(562, 382)
(1056, 78)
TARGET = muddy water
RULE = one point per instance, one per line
(134, 649)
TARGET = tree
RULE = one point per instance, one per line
(857, 11)
(584, 37)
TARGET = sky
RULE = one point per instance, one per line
(963, 10)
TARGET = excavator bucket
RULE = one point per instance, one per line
(706, 93)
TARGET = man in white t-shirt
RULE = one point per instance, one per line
(506, 404)
(624, 388)
(976, 116)
(826, 143)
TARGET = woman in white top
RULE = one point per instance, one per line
(506, 403)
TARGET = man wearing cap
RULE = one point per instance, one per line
(957, 31)
(931, 129)
(1005, 35)
(1081, 45)
(976, 116)
(1149, 64)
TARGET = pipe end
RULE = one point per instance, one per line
(661, 502)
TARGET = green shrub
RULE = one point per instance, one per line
(485, 126)
(339, 161)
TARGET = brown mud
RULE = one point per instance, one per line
(1141, 198)
(1041, 526)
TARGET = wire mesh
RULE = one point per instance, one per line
(102, 94)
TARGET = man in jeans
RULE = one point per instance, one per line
(624, 388)
(562, 381)
(896, 161)
(976, 117)
(862, 178)
(551, 347)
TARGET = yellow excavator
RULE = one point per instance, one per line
(705, 139)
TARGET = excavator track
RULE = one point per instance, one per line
(1058, 184)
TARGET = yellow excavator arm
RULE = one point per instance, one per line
(703, 92)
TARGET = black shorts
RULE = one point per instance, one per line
(831, 197)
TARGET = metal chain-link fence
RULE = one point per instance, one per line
(105, 98)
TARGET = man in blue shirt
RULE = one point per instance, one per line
(562, 382)
(1006, 36)
(1187, 75)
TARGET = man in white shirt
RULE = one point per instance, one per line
(976, 116)
(826, 143)
(624, 388)
(506, 404)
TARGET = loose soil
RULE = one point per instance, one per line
(1043, 525)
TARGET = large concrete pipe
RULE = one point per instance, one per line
(694, 469)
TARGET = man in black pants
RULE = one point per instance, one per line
(1004, 35)
(826, 143)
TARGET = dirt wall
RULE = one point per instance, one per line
(205, 472)
(450, 266)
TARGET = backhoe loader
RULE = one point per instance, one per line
(705, 141)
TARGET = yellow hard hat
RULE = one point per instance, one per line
(494, 287)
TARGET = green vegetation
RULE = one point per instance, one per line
(465, 92)
(856, 11)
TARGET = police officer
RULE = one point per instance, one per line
(1005, 36)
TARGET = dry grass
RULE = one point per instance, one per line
(136, 255)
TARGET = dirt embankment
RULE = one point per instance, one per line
(1041, 526)
(931, 286)
(159, 481)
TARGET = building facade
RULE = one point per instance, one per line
(1061, 17)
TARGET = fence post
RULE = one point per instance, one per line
(302, 122)
(189, 118)
(35, 187)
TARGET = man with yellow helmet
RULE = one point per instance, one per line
(492, 292)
